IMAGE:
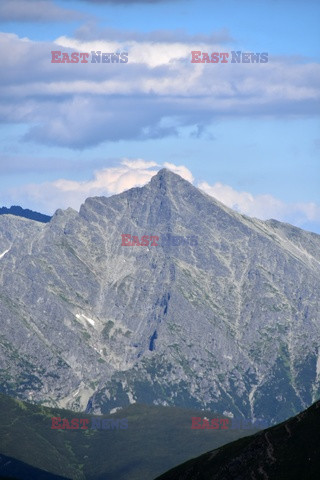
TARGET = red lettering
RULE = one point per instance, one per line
(205, 58)
(224, 422)
(55, 422)
(65, 58)
(145, 240)
(135, 241)
(54, 56)
(215, 423)
(214, 57)
(125, 237)
(84, 422)
(224, 55)
(195, 55)
(84, 56)
(74, 57)
(205, 424)
(154, 239)
(196, 425)
(65, 424)
(75, 423)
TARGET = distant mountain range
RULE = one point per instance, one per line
(229, 323)
(25, 213)
(289, 451)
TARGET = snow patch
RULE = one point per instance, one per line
(131, 398)
(318, 365)
(228, 414)
(80, 315)
(3, 254)
(114, 410)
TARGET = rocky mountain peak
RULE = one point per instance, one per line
(228, 323)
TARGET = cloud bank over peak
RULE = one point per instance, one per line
(63, 193)
(263, 206)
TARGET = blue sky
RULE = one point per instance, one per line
(247, 134)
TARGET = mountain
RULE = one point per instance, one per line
(229, 322)
(289, 451)
(15, 470)
(25, 213)
(157, 438)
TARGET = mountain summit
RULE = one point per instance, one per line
(228, 322)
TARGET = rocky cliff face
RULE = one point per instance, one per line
(230, 323)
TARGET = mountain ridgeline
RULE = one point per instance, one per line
(228, 323)
(288, 451)
(25, 213)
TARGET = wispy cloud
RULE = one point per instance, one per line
(263, 206)
(154, 95)
(35, 11)
(92, 31)
(128, 2)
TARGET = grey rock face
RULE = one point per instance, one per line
(231, 323)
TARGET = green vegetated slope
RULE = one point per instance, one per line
(157, 439)
(288, 451)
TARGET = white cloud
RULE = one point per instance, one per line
(181, 170)
(263, 206)
(138, 164)
(64, 193)
(109, 181)
(80, 105)
(153, 54)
